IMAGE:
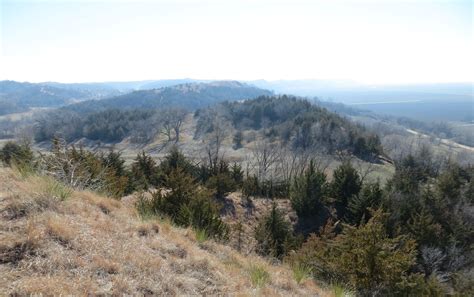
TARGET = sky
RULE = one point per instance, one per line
(374, 42)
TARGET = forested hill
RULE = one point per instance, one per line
(190, 96)
(17, 97)
(288, 120)
(20, 96)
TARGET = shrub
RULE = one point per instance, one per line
(16, 154)
(145, 173)
(274, 234)
(222, 183)
(364, 257)
(186, 204)
(81, 169)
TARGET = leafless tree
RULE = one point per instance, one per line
(214, 141)
(265, 155)
(179, 116)
(171, 122)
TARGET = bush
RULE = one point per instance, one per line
(274, 234)
(16, 154)
(81, 169)
(144, 173)
(222, 183)
(365, 258)
(186, 204)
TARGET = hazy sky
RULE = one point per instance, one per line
(367, 41)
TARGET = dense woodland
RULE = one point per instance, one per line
(410, 237)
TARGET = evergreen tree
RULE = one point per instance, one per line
(308, 191)
(345, 185)
(370, 197)
(176, 160)
(145, 172)
(188, 205)
(274, 234)
(237, 140)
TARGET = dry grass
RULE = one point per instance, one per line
(92, 245)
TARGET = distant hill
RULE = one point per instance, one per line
(20, 96)
(190, 96)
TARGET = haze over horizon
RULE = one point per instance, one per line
(372, 42)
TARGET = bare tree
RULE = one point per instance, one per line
(172, 121)
(213, 143)
(265, 155)
(179, 116)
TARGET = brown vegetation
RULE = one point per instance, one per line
(88, 244)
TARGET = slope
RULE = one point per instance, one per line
(89, 244)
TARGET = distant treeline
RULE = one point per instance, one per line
(294, 121)
(291, 120)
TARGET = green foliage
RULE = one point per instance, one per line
(222, 183)
(57, 189)
(237, 174)
(16, 154)
(237, 140)
(301, 271)
(252, 186)
(274, 234)
(176, 160)
(81, 169)
(144, 173)
(201, 235)
(187, 205)
(202, 213)
(297, 122)
(370, 197)
(258, 276)
(345, 185)
(366, 258)
(308, 192)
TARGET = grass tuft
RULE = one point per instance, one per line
(301, 272)
(258, 276)
(57, 189)
(201, 235)
(340, 291)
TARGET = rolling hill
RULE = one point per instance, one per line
(190, 96)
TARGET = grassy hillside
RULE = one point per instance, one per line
(89, 244)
